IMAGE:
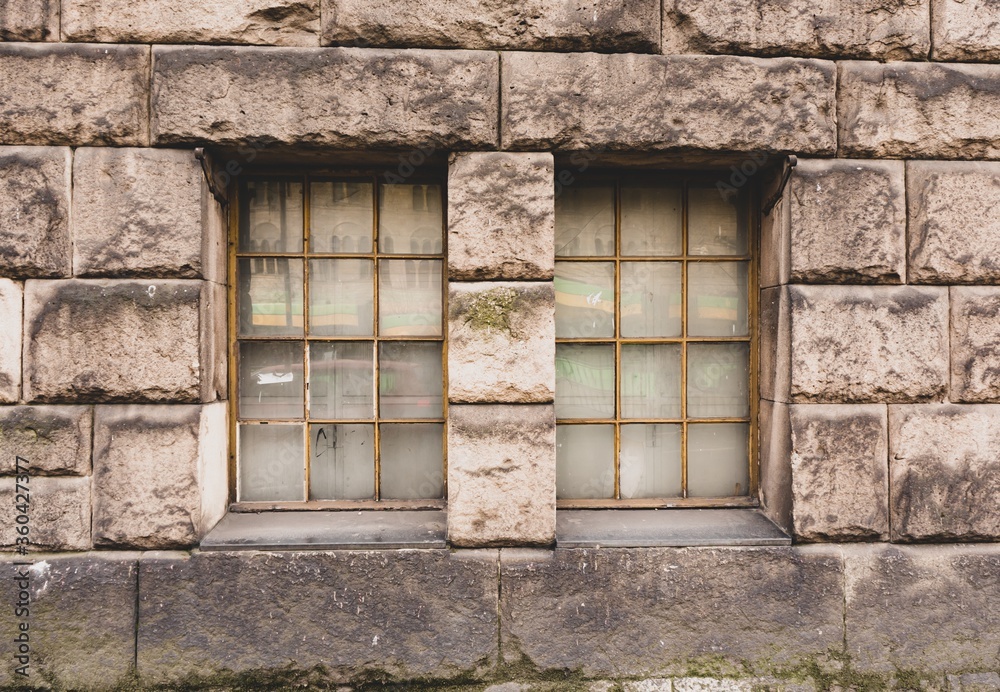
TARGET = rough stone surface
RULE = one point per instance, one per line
(268, 22)
(501, 216)
(74, 94)
(501, 342)
(840, 484)
(775, 463)
(11, 310)
(34, 212)
(338, 615)
(966, 30)
(144, 212)
(37, 20)
(120, 341)
(151, 464)
(555, 101)
(58, 512)
(859, 344)
(864, 29)
(336, 97)
(847, 222)
(81, 619)
(599, 25)
(666, 611)
(501, 475)
(775, 344)
(944, 472)
(954, 209)
(908, 110)
(975, 344)
(55, 440)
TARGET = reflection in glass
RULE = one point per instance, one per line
(651, 299)
(584, 461)
(651, 220)
(650, 461)
(412, 464)
(717, 380)
(585, 299)
(651, 380)
(585, 381)
(410, 379)
(409, 297)
(340, 297)
(343, 462)
(340, 380)
(717, 460)
(271, 462)
(713, 226)
(585, 221)
(340, 217)
(270, 380)
(717, 299)
(270, 296)
(272, 221)
(410, 220)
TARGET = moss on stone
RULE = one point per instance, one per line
(491, 310)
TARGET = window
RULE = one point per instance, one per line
(655, 331)
(338, 361)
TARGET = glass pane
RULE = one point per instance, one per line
(585, 221)
(717, 299)
(651, 220)
(585, 381)
(585, 299)
(651, 299)
(340, 297)
(343, 462)
(270, 383)
(650, 461)
(412, 465)
(410, 220)
(410, 379)
(717, 381)
(651, 381)
(340, 217)
(584, 461)
(270, 296)
(717, 460)
(409, 297)
(713, 225)
(273, 218)
(272, 462)
(340, 380)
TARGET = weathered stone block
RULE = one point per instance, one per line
(74, 94)
(555, 101)
(966, 30)
(858, 344)
(58, 512)
(775, 463)
(159, 474)
(907, 110)
(629, 612)
(944, 472)
(349, 98)
(268, 22)
(144, 212)
(501, 475)
(604, 26)
(501, 216)
(840, 479)
(501, 342)
(775, 344)
(34, 212)
(954, 209)
(120, 341)
(866, 29)
(847, 222)
(323, 616)
(81, 619)
(11, 310)
(29, 21)
(975, 344)
(55, 440)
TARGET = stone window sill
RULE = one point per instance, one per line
(647, 528)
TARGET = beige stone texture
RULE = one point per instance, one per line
(34, 212)
(346, 98)
(500, 216)
(631, 26)
(944, 472)
(864, 29)
(11, 310)
(908, 110)
(267, 22)
(775, 463)
(868, 344)
(58, 512)
(159, 474)
(501, 342)
(966, 30)
(74, 94)
(775, 344)
(954, 209)
(975, 344)
(109, 340)
(53, 440)
(144, 213)
(775, 243)
(29, 20)
(555, 101)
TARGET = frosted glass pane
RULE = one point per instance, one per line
(341, 297)
(270, 296)
(270, 380)
(651, 220)
(585, 221)
(410, 380)
(717, 381)
(717, 299)
(585, 461)
(410, 220)
(713, 225)
(412, 461)
(650, 461)
(585, 299)
(341, 376)
(272, 221)
(651, 299)
(585, 381)
(717, 460)
(409, 297)
(340, 217)
(271, 462)
(651, 381)
(343, 462)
